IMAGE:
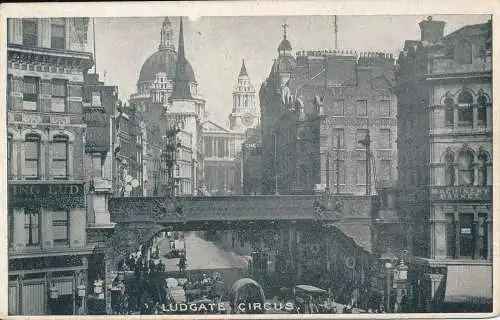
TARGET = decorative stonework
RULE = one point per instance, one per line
(461, 193)
(32, 119)
(60, 121)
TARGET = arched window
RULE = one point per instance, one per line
(465, 101)
(464, 52)
(32, 157)
(483, 158)
(448, 112)
(465, 168)
(449, 170)
(9, 156)
(482, 103)
(59, 165)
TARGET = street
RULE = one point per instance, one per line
(202, 255)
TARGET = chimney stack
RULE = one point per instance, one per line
(431, 31)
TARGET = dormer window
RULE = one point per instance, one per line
(463, 52)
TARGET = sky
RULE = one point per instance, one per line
(215, 46)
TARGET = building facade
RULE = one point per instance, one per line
(445, 148)
(315, 109)
(48, 247)
(222, 147)
(168, 100)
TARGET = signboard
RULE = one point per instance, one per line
(46, 190)
(461, 193)
(465, 230)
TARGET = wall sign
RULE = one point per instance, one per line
(44, 190)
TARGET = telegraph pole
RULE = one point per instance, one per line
(327, 188)
(335, 30)
(338, 164)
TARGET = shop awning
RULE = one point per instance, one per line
(469, 284)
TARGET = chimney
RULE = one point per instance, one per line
(431, 31)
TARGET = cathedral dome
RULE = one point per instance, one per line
(163, 61)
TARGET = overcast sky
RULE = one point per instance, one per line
(215, 46)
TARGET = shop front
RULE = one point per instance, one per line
(48, 252)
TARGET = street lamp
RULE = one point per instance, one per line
(388, 267)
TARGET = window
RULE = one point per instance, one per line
(246, 101)
(338, 108)
(341, 172)
(32, 157)
(59, 167)
(30, 33)
(361, 172)
(360, 135)
(482, 103)
(466, 234)
(9, 156)
(449, 169)
(483, 158)
(96, 99)
(384, 108)
(361, 108)
(464, 52)
(448, 112)
(32, 226)
(58, 95)
(450, 235)
(465, 101)
(385, 172)
(30, 93)
(384, 139)
(177, 171)
(465, 168)
(60, 230)
(57, 33)
(338, 138)
(10, 226)
(139, 156)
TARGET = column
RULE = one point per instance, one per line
(489, 117)
(77, 223)
(18, 234)
(44, 159)
(489, 222)
(455, 118)
(16, 95)
(474, 117)
(46, 240)
(68, 34)
(45, 97)
(20, 159)
(476, 174)
(44, 32)
(14, 161)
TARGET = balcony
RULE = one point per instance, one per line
(462, 193)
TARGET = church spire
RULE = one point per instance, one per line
(166, 34)
(181, 88)
(243, 71)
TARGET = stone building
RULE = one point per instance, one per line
(48, 243)
(222, 158)
(168, 98)
(445, 165)
(315, 109)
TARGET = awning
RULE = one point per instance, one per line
(469, 284)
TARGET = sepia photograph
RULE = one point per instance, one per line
(285, 165)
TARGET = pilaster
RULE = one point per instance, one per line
(15, 30)
(47, 237)
(77, 231)
(434, 281)
(44, 32)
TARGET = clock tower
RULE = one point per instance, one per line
(244, 113)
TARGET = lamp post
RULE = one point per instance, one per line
(388, 268)
(53, 296)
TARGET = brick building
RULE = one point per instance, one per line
(48, 248)
(315, 109)
(445, 166)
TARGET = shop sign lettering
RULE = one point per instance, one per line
(42, 190)
(463, 193)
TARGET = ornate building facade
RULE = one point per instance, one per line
(222, 157)
(171, 106)
(316, 108)
(47, 216)
(445, 162)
